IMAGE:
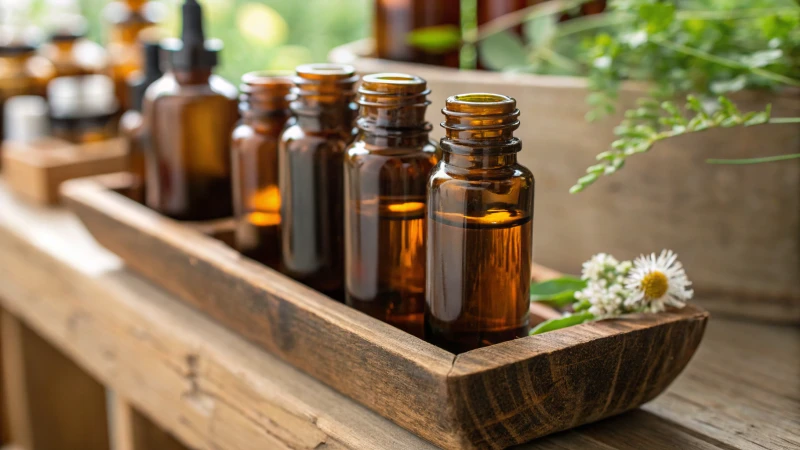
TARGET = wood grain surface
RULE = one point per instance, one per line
(438, 395)
(739, 391)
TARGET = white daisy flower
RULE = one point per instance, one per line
(657, 281)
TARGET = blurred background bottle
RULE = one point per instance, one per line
(189, 114)
(131, 125)
(126, 20)
(67, 47)
(82, 108)
(394, 19)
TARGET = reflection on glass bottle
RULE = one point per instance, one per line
(480, 209)
(132, 123)
(127, 19)
(310, 159)
(394, 19)
(189, 114)
(264, 107)
(386, 174)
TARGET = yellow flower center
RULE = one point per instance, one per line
(654, 285)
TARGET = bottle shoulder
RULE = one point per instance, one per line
(168, 86)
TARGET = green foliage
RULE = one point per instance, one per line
(558, 292)
(437, 39)
(562, 322)
(502, 51)
(652, 122)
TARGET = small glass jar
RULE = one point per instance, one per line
(310, 160)
(480, 215)
(264, 107)
(386, 174)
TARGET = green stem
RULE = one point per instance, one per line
(511, 20)
(744, 13)
(726, 62)
(784, 120)
(586, 23)
(765, 159)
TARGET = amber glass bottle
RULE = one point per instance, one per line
(189, 115)
(480, 211)
(71, 53)
(310, 160)
(394, 19)
(127, 18)
(385, 178)
(131, 125)
(264, 108)
(22, 72)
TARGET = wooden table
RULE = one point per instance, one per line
(84, 340)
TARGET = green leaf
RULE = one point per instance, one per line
(657, 16)
(438, 39)
(558, 291)
(562, 322)
(540, 31)
(502, 50)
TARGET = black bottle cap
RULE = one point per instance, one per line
(192, 50)
(151, 72)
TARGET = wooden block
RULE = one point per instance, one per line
(131, 430)
(492, 397)
(734, 227)
(35, 171)
(53, 404)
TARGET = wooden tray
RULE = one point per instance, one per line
(36, 172)
(492, 397)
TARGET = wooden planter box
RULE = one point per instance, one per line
(492, 397)
(736, 228)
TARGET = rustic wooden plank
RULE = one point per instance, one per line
(199, 381)
(54, 404)
(285, 318)
(515, 391)
(133, 431)
(667, 198)
(52, 241)
(36, 171)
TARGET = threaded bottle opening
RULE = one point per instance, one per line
(480, 116)
(393, 101)
(265, 92)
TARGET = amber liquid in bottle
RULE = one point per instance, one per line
(386, 175)
(189, 114)
(480, 208)
(71, 53)
(394, 19)
(310, 159)
(264, 107)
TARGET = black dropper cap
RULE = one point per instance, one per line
(192, 50)
(151, 72)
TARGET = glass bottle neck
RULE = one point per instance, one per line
(193, 76)
(317, 116)
(271, 123)
(487, 157)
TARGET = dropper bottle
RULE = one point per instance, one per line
(189, 114)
